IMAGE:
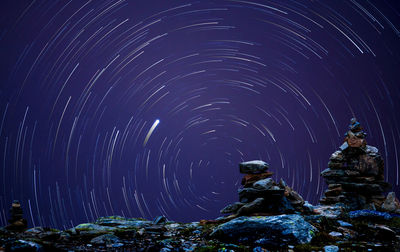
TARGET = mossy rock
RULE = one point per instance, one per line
(307, 247)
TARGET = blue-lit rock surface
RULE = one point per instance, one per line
(267, 230)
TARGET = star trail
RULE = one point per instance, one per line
(145, 108)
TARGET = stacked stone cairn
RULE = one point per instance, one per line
(261, 195)
(355, 176)
(17, 222)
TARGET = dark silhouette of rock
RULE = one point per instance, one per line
(17, 222)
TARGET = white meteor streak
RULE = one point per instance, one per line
(150, 132)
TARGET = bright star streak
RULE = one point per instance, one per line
(150, 132)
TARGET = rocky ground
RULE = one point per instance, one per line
(327, 228)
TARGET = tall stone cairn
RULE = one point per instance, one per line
(355, 176)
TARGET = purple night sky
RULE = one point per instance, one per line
(83, 82)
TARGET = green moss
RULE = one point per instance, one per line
(84, 227)
(307, 247)
(394, 223)
(187, 231)
(207, 249)
(322, 238)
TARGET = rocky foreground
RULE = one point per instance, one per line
(328, 228)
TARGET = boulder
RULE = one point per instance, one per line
(253, 167)
(391, 203)
(268, 230)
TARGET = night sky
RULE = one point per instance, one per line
(145, 108)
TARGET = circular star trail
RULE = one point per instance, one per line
(145, 108)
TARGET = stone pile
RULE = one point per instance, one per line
(17, 222)
(261, 195)
(355, 176)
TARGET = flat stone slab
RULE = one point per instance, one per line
(253, 167)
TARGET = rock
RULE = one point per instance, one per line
(282, 183)
(360, 187)
(369, 214)
(249, 179)
(251, 194)
(355, 142)
(308, 208)
(159, 220)
(348, 234)
(274, 230)
(295, 198)
(232, 208)
(331, 248)
(335, 234)
(344, 224)
(252, 207)
(259, 249)
(344, 146)
(330, 212)
(105, 239)
(370, 206)
(329, 200)
(332, 173)
(155, 229)
(114, 221)
(22, 245)
(90, 229)
(334, 192)
(264, 184)
(34, 231)
(371, 165)
(391, 203)
(253, 167)
(337, 156)
(117, 245)
(384, 232)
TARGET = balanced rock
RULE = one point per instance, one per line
(253, 167)
(17, 222)
(261, 195)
